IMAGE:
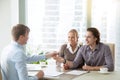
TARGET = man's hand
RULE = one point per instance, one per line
(88, 68)
(66, 67)
(91, 68)
(40, 74)
(51, 54)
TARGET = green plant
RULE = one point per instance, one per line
(45, 60)
(30, 49)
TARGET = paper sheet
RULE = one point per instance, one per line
(52, 73)
(32, 73)
(33, 67)
(76, 72)
(47, 73)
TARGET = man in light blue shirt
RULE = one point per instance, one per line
(14, 59)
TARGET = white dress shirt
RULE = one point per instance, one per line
(70, 48)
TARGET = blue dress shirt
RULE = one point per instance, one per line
(13, 62)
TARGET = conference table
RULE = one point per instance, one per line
(62, 74)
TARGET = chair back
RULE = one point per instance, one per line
(112, 48)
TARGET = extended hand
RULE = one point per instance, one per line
(58, 59)
(52, 54)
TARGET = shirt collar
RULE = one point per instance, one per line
(96, 48)
(70, 48)
(19, 45)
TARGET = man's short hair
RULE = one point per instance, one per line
(18, 30)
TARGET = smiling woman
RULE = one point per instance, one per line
(68, 51)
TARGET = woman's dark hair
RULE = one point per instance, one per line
(95, 33)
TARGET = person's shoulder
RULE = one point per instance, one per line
(64, 45)
(83, 47)
(103, 45)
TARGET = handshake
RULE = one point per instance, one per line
(51, 54)
(59, 59)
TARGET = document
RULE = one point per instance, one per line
(33, 67)
(32, 73)
(47, 76)
(76, 72)
(52, 73)
(47, 73)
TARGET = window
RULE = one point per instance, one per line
(50, 20)
(105, 18)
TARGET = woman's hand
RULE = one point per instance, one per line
(58, 59)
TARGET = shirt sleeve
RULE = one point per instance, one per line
(78, 61)
(35, 58)
(20, 65)
(108, 59)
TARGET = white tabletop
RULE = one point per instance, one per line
(58, 73)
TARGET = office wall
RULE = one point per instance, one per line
(5, 22)
(9, 16)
